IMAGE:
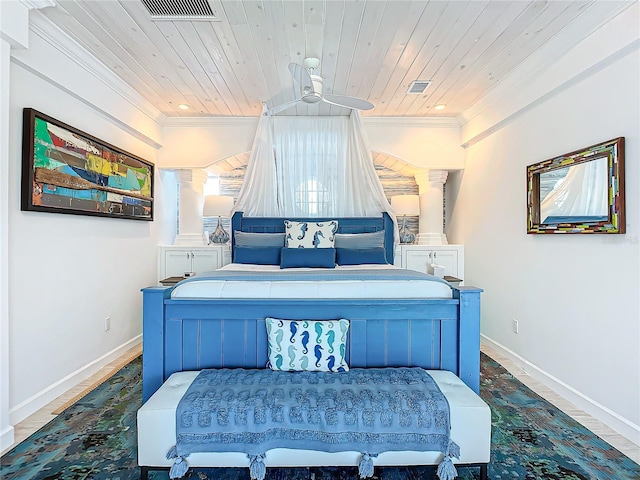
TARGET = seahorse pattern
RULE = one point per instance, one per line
(315, 345)
(305, 340)
(310, 234)
(293, 326)
(331, 337)
(317, 237)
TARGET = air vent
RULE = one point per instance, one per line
(176, 10)
(418, 86)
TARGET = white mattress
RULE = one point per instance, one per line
(470, 429)
(310, 289)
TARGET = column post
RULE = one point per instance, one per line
(431, 191)
(190, 227)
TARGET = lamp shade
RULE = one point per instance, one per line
(406, 204)
(217, 206)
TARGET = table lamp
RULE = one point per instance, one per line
(218, 206)
(406, 205)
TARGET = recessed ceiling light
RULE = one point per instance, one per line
(440, 107)
(184, 106)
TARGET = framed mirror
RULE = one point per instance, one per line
(578, 192)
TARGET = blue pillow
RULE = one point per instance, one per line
(308, 257)
(251, 239)
(257, 255)
(359, 256)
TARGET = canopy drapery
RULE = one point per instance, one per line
(312, 167)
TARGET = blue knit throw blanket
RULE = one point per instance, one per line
(369, 410)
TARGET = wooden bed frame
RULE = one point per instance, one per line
(186, 334)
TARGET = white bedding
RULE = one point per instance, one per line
(310, 289)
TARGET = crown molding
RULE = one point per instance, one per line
(610, 60)
(52, 34)
(516, 94)
(404, 122)
(114, 120)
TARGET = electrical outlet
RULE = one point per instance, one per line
(515, 326)
(107, 324)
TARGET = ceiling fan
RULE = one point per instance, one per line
(310, 89)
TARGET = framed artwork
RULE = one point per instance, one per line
(65, 170)
(578, 192)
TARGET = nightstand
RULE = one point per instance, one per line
(176, 260)
(421, 257)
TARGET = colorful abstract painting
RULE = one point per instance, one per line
(65, 170)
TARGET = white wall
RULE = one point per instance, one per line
(68, 272)
(197, 143)
(575, 296)
(423, 142)
(6, 429)
(432, 143)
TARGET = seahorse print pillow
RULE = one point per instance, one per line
(307, 345)
(310, 234)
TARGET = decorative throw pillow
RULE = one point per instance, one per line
(360, 240)
(251, 239)
(360, 256)
(307, 345)
(308, 257)
(310, 234)
(257, 255)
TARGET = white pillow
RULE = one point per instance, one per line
(310, 234)
(307, 345)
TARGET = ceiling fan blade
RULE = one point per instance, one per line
(348, 102)
(281, 108)
(301, 77)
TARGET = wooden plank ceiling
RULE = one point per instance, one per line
(370, 49)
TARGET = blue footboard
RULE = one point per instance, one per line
(182, 335)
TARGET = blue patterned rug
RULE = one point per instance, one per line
(95, 439)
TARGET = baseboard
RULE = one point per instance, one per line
(610, 418)
(6, 438)
(42, 398)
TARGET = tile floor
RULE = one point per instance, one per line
(44, 415)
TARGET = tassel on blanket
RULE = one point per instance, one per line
(446, 469)
(257, 468)
(365, 466)
(180, 464)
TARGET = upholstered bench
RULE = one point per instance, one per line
(470, 429)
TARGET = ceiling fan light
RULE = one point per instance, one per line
(314, 97)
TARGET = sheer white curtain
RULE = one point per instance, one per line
(258, 197)
(312, 167)
(582, 192)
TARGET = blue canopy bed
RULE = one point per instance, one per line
(393, 322)
(311, 348)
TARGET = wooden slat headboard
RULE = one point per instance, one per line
(345, 225)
